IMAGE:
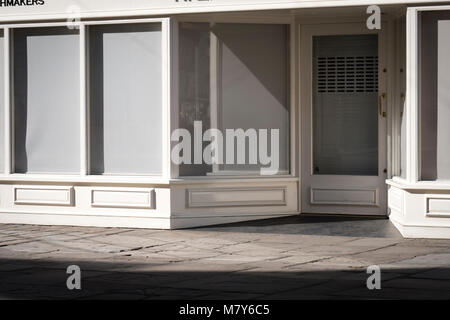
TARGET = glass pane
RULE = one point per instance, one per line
(235, 76)
(46, 96)
(345, 114)
(2, 119)
(126, 99)
(435, 95)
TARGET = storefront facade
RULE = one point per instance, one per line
(99, 99)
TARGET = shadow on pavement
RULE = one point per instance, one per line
(326, 225)
(40, 279)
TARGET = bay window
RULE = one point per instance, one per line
(434, 88)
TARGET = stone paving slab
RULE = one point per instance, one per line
(282, 259)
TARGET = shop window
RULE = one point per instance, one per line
(46, 100)
(434, 95)
(235, 76)
(2, 106)
(125, 85)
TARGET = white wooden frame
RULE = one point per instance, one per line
(293, 105)
(305, 89)
(161, 7)
(412, 180)
(170, 103)
(84, 175)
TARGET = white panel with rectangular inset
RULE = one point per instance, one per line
(43, 195)
(332, 196)
(231, 197)
(437, 206)
(123, 198)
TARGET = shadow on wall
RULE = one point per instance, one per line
(32, 279)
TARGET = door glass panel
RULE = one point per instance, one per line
(345, 108)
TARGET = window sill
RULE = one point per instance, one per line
(95, 179)
(231, 179)
(144, 180)
(420, 185)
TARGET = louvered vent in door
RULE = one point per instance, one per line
(347, 74)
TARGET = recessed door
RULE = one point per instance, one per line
(343, 104)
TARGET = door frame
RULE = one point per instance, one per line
(305, 87)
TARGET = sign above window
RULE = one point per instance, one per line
(53, 9)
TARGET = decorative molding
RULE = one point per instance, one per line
(236, 197)
(335, 196)
(123, 198)
(437, 205)
(44, 195)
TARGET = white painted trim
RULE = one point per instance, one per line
(412, 97)
(10, 106)
(419, 185)
(84, 128)
(391, 96)
(430, 8)
(421, 231)
(233, 179)
(215, 86)
(216, 97)
(39, 199)
(427, 197)
(45, 178)
(205, 8)
(112, 193)
(396, 204)
(10, 175)
(399, 79)
(293, 106)
(77, 24)
(7, 102)
(174, 93)
(253, 193)
(235, 18)
(299, 104)
(88, 220)
(166, 96)
(375, 201)
(87, 99)
(308, 179)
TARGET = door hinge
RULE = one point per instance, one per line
(380, 104)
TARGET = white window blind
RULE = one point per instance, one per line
(46, 100)
(125, 99)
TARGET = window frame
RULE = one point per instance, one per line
(292, 97)
(8, 173)
(413, 180)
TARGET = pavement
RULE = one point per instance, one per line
(300, 257)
